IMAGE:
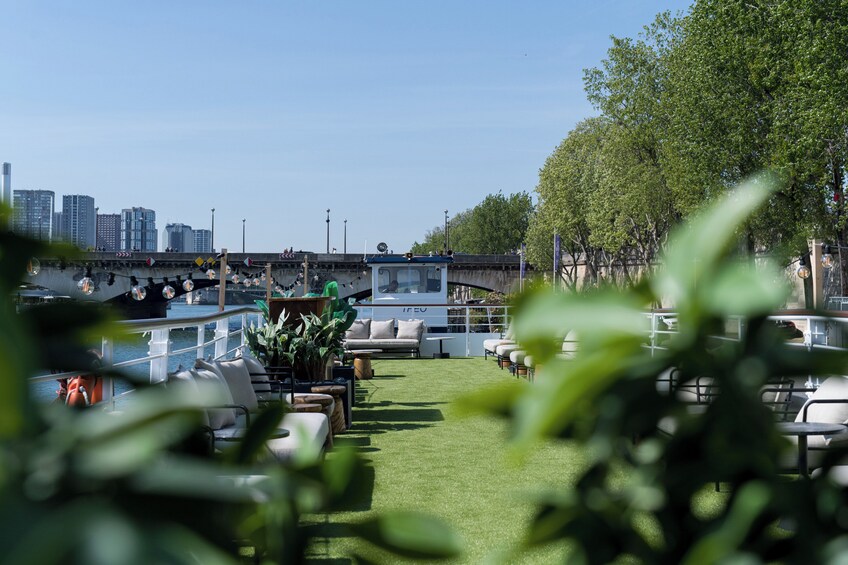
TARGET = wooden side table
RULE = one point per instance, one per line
(362, 362)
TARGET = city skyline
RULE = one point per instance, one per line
(385, 114)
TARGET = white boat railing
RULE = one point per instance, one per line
(160, 351)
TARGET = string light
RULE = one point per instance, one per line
(278, 289)
(188, 284)
(803, 270)
(229, 270)
(263, 276)
(33, 266)
(235, 279)
(827, 257)
(85, 284)
(256, 281)
(137, 292)
(168, 291)
(210, 274)
(247, 282)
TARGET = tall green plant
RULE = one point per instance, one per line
(638, 498)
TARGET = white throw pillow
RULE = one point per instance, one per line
(836, 413)
(410, 329)
(383, 329)
(361, 329)
(207, 374)
(237, 376)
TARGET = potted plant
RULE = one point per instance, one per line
(314, 342)
(269, 342)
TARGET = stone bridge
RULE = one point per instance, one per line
(111, 272)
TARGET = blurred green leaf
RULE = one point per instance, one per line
(744, 290)
(410, 534)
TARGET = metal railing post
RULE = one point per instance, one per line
(159, 344)
(222, 330)
(201, 340)
(467, 330)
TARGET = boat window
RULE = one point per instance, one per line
(408, 279)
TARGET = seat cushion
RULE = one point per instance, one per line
(506, 349)
(354, 344)
(361, 329)
(491, 344)
(308, 433)
(264, 393)
(517, 357)
(382, 329)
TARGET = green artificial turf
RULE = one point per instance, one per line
(423, 455)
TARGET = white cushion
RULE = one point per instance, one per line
(517, 357)
(264, 393)
(410, 329)
(506, 349)
(491, 344)
(836, 413)
(237, 376)
(382, 329)
(361, 329)
(308, 431)
(529, 361)
(185, 380)
(207, 376)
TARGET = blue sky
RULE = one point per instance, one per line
(385, 112)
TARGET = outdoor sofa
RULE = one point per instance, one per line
(366, 333)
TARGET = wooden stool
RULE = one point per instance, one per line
(521, 370)
(307, 407)
(362, 365)
(337, 421)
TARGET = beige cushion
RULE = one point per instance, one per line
(517, 357)
(211, 377)
(184, 380)
(237, 376)
(361, 329)
(410, 329)
(307, 434)
(257, 373)
(837, 413)
(505, 350)
(394, 343)
(382, 329)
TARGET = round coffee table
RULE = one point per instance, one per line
(441, 354)
(802, 430)
(362, 362)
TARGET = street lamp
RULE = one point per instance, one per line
(345, 237)
(243, 220)
(328, 231)
(446, 232)
(212, 238)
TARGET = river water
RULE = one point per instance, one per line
(137, 345)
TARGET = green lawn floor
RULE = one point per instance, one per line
(424, 455)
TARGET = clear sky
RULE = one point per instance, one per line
(386, 112)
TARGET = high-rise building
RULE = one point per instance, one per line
(109, 232)
(79, 220)
(6, 185)
(33, 213)
(178, 237)
(202, 241)
(138, 229)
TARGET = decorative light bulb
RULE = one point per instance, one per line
(229, 270)
(210, 274)
(235, 279)
(86, 286)
(33, 267)
(168, 292)
(188, 285)
(804, 272)
(263, 277)
(138, 292)
(279, 289)
(256, 281)
(827, 260)
(247, 281)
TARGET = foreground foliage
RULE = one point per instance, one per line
(608, 399)
(142, 485)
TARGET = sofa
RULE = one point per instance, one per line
(382, 334)
(231, 386)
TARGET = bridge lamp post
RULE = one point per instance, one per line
(328, 230)
(212, 238)
(446, 232)
(345, 237)
(243, 220)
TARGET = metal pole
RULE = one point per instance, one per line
(345, 237)
(212, 238)
(268, 283)
(222, 289)
(446, 232)
(243, 220)
(328, 230)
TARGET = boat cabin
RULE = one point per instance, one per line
(410, 285)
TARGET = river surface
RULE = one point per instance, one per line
(137, 345)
